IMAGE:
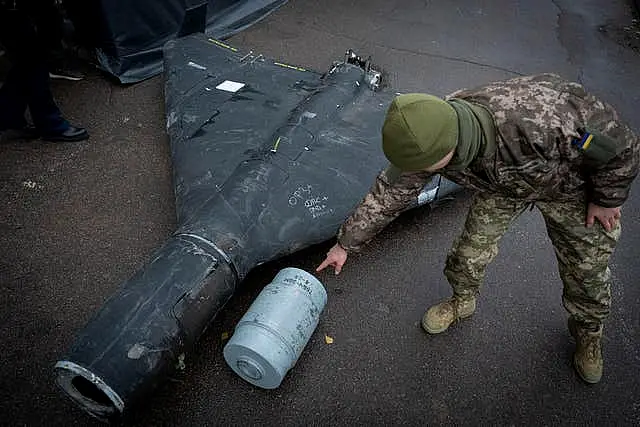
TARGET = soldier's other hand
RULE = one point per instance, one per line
(608, 217)
(336, 257)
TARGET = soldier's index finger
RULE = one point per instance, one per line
(322, 266)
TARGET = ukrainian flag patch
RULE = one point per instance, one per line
(584, 142)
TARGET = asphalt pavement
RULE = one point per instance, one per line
(78, 219)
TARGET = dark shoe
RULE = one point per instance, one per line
(64, 70)
(27, 132)
(71, 134)
(587, 358)
(66, 75)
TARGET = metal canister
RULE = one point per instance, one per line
(271, 335)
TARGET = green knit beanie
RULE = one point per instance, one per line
(419, 131)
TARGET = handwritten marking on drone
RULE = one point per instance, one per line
(315, 204)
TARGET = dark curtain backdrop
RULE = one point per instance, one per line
(128, 35)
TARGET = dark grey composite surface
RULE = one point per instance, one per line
(78, 219)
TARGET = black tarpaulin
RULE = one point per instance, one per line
(128, 35)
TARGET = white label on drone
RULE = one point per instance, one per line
(230, 86)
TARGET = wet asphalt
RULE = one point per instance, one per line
(78, 219)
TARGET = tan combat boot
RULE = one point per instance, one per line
(587, 358)
(439, 317)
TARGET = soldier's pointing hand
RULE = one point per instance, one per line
(336, 257)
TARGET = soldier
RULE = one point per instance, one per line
(531, 141)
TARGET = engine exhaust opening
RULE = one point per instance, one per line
(89, 391)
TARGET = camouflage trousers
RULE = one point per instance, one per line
(582, 253)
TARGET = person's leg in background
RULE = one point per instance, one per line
(13, 102)
(27, 84)
(45, 113)
(49, 22)
(13, 98)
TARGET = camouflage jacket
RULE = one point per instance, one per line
(537, 119)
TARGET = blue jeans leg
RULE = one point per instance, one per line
(44, 111)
